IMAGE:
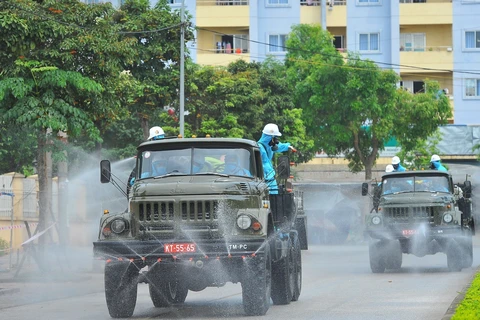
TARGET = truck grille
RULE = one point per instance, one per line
(410, 214)
(156, 211)
(180, 219)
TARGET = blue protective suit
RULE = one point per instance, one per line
(267, 156)
(399, 168)
(438, 166)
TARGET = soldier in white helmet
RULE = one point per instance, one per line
(435, 163)
(397, 167)
(389, 168)
(156, 133)
(268, 145)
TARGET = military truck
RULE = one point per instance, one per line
(420, 213)
(195, 220)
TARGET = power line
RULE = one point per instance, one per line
(356, 59)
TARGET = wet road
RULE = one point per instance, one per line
(338, 284)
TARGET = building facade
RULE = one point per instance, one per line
(419, 39)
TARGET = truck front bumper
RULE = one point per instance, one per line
(169, 249)
(414, 231)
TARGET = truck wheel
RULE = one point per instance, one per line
(393, 255)
(121, 282)
(166, 293)
(297, 288)
(283, 278)
(257, 284)
(377, 257)
(467, 251)
(454, 256)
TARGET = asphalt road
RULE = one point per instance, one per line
(337, 284)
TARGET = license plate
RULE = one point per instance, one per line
(409, 232)
(179, 247)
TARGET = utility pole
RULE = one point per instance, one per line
(324, 14)
(182, 70)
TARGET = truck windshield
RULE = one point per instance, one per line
(193, 161)
(415, 184)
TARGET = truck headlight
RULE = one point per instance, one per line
(447, 218)
(376, 220)
(244, 222)
(118, 226)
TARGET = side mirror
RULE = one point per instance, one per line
(364, 189)
(283, 167)
(105, 172)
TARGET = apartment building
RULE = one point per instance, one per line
(419, 39)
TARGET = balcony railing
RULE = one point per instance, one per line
(426, 48)
(223, 2)
(319, 2)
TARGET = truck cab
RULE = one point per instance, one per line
(420, 213)
(200, 215)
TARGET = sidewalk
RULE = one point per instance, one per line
(75, 270)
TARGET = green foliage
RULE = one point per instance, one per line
(4, 245)
(418, 156)
(469, 308)
(351, 106)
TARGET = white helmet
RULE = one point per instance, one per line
(271, 129)
(389, 168)
(395, 160)
(435, 157)
(155, 131)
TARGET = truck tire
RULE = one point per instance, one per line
(393, 255)
(121, 282)
(377, 256)
(454, 256)
(257, 284)
(297, 288)
(283, 277)
(166, 293)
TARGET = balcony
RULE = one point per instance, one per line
(431, 58)
(223, 13)
(217, 58)
(311, 12)
(428, 13)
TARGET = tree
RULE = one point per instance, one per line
(41, 98)
(351, 106)
(156, 34)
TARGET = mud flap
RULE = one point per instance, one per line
(301, 227)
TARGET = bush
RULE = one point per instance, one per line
(4, 245)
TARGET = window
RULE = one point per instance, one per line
(369, 42)
(413, 86)
(232, 43)
(472, 39)
(368, 2)
(277, 43)
(338, 42)
(472, 88)
(412, 41)
(277, 2)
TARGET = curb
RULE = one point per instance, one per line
(458, 299)
(8, 290)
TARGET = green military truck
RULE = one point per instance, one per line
(420, 213)
(200, 215)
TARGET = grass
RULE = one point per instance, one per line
(469, 308)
